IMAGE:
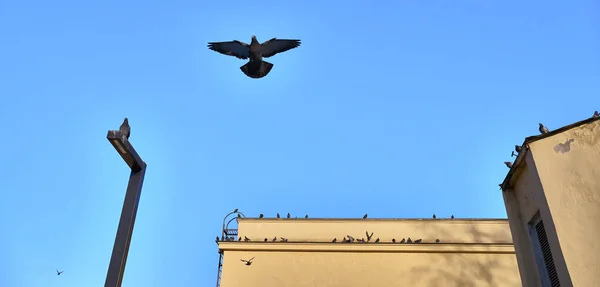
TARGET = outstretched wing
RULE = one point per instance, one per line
(234, 48)
(275, 46)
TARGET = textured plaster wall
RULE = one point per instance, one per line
(361, 269)
(568, 165)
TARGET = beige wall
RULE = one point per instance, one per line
(571, 185)
(471, 253)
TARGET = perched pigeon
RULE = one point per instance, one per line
(437, 241)
(596, 114)
(261, 215)
(377, 240)
(288, 215)
(306, 216)
(125, 128)
(278, 216)
(508, 164)
(518, 148)
(452, 217)
(235, 210)
(365, 216)
(334, 240)
(418, 240)
(434, 217)
(256, 68)
(393, 240)
(543, 129)
(403, 240)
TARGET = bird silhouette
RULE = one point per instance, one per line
(409, 240)
(274, 239)
(403, 240)
(283, 239)
(543, 129)
(365, 216)
(452, 217)
(239, 215)
(508, 164)
(266, 239)
(393, 240)
(288, 215)
(418, 240)
(377, 240)
(350, 238)
(256, 67)
(596, 114)
(217, 240)
(334, 240)
(261, 215)
(369, 236)
(278, 216)
(306, 216)
(59, 272)
(125, 128)
(437, 241)
(248, 262)
(434, 217)
(246, 239)
(235, 210)
(518, 148)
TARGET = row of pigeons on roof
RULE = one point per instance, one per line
(346, 239)
(543, 130)
(306, 216)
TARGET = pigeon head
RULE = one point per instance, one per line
(540, 125)
(126, 120)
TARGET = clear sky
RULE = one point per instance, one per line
(396, 109)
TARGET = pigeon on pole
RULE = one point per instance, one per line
(256, 68)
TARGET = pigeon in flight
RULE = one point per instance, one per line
(256, 68)
(125, 128)
(248, 262)
(59, 272)
(543, 129)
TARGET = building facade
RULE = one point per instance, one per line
(552, 198)
(300, 252)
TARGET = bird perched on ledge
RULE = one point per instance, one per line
(125, 128)
(256, 68)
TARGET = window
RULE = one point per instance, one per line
(543, 256)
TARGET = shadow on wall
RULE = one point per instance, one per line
(470, 270)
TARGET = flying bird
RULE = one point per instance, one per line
(596, 114)
(59, 272)
(508, 164)
(248, 262)
(256, 67)
(369, 236)
(125, 128)
(543, 129)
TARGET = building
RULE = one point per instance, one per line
(552, 198)
(300, 252)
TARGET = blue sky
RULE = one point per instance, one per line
(396, 109)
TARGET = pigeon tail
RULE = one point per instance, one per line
(252, 70)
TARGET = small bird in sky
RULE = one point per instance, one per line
(365, 216)
(248, 262)
(125, 128)
(596, 114)
(508, 164)
(59, 272)
(235, 210)
(256, 67)
(543, 129)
